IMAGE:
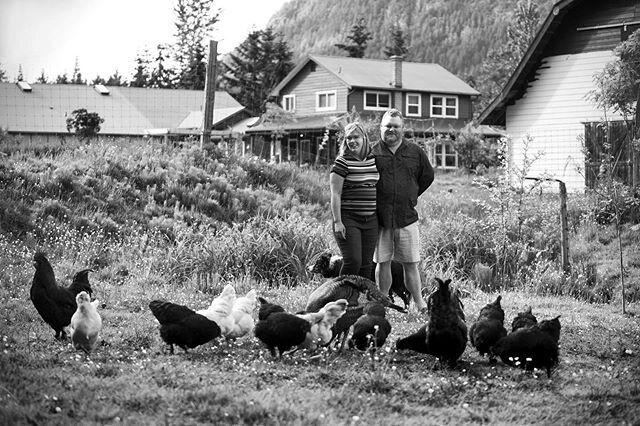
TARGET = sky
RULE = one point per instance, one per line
(106, 35)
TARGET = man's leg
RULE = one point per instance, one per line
(383, 276)
(412, 281)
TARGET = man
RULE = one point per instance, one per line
(405, 173)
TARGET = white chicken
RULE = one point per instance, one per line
(322, 322)
(86, 323)
(242, 315)
(220, 309)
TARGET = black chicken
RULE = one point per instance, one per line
(445, 334)
(182, 326)
(524, 319)
(282, 331)
(328, 266)
(531, 347)
(347, 287)
(55, 304)
(341, 329)
(371, 329)
(488, 328)
(267, 308)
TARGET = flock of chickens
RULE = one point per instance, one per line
(333, 315)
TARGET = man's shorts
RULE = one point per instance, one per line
(402, 244)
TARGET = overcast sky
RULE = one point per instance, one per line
(106, 35)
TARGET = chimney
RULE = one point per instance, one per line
(396, 78)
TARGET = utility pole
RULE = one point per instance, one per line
(209, 93)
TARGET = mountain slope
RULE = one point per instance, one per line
(456, 34)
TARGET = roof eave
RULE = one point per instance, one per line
(509, 93)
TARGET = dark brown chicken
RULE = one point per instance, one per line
(445, 334)
(524, 319)
(371, 329)
(267, 308)
(328, 266)
(488, 328)
(55, 304)
(531, 347)
(182, 326)
(281, 331)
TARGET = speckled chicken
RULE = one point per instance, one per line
(181, 326)
(86, 323)
(531, 347)
(371, 329)
(523, 320)
(322, 323)
(445, 334)
(55, 304)
(220, 309)
(242, 315)
(488, 328)
(348, 287)
(328, 265)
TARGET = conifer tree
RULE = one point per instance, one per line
(359, 38)
(142, 75)
(397, 47)
(255, 67)
(42, 79)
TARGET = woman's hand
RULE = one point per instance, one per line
(340, 230)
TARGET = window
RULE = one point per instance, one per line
(326, 101)
(414, 105)
(289, 103)
(377, 100)
(446, 156)
(444, 106)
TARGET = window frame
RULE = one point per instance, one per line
(377, 107)
(444, 106)
(419, 105)
(327, 93)
(441, 157)
(284, 102)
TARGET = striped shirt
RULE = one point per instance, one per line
(359, 188)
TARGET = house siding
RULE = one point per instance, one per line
(593, 14)
(552, 112)
(307, 83)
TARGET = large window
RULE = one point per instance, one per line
(326, 101)
(289, 103)
(446, 156)
(414, 105)
(444, 106)
(377, 100)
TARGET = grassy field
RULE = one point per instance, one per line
(130, 380)
(160, 222)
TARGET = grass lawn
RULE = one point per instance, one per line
(129, 379)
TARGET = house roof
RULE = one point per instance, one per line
(195, 119)
(309, 122)
(377, 73)
(126, 110)
(517, 84)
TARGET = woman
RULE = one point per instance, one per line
(353, 181)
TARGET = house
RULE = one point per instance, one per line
(322, 91)
(545, 106)
(38, 112)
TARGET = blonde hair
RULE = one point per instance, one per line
(366, 148)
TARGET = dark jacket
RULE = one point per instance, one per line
(404, 176)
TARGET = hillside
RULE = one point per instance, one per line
(457, 34)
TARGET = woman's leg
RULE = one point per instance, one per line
(351, 248)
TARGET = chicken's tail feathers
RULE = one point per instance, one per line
(167, 312)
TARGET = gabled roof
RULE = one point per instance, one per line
(308, 122)
(195, 119)
(126, 110)
(525, 71)
(377, 73)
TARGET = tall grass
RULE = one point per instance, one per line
(195, 217)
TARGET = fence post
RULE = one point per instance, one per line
(209, 93)
(564, 227)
